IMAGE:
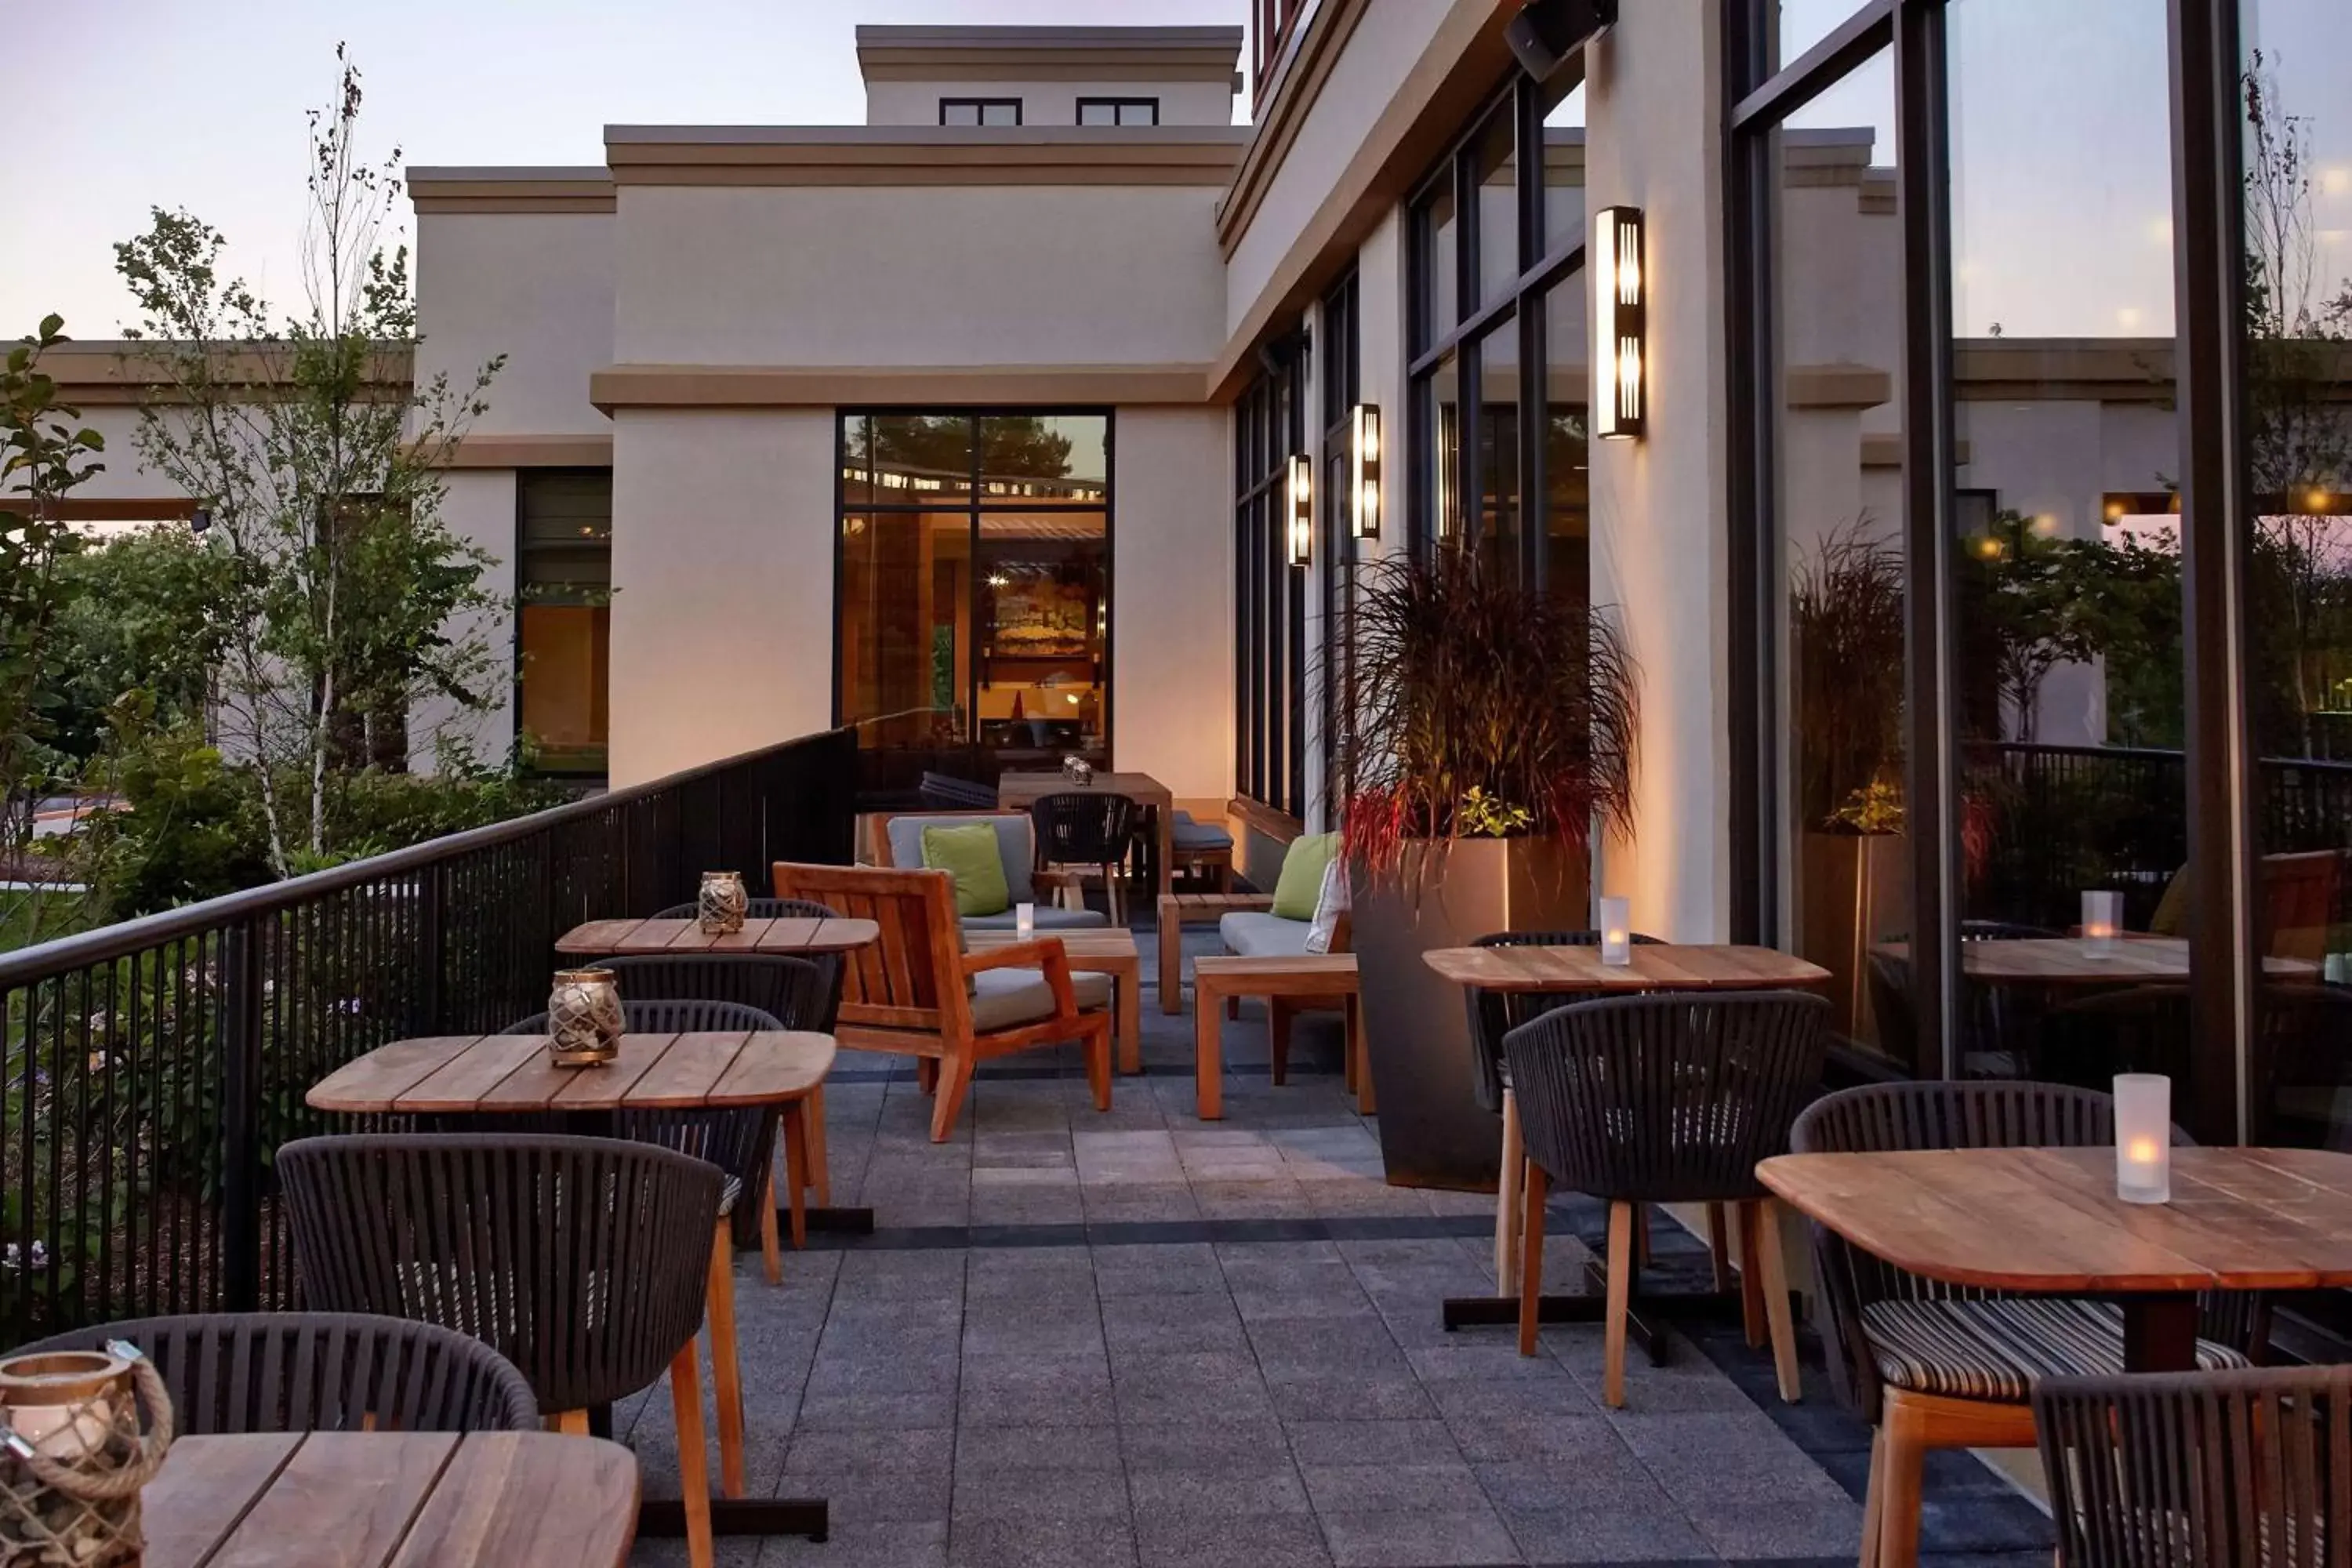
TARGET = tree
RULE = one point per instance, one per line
(342, 605)
(45, 453)
(136, 618)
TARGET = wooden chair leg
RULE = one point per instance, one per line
(1620, 1301)
(795, 1130)
(570, 1423)
(927, 1074)
(1751, 1277)
(726, 1373)
(1508, 1199)
(1234, 1006)
(693, 1462)
(1772, 1269)
(955, 1077)
(1874, 1499)
(1538, 1185)
(1171, 960)
(1098, 1053)
(1642, 1235)
(1208, 1055)
(820, 1165)
(772, 1245)
(1279, 1013)
(1903, 1435)
(1719, 1247)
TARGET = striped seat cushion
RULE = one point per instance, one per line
(1996, 1349)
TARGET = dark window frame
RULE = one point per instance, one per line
(1270, 425)
(1118, 106)
(976, 505)
(2209, 248)
(1340, 335)
(524, 549)
(979, 108)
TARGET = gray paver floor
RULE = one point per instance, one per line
(1135, 1337)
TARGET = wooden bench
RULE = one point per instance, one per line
(1287, 984)
(1177, 911)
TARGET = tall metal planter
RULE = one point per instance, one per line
(1417, 1024)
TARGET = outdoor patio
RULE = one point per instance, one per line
(1086, 1338)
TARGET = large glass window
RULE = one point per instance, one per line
(564, 621)
(1336, 547)
(1270, 594)
(974, 590)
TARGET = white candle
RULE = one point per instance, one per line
(1024, 919)
(2143, 1138)
(1616, 931)
(2103, 921)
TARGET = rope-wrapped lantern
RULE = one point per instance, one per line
(75, 1454)
(583, 1018)
(720, 904)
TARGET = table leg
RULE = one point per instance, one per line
(796, 1171)
(1165, 870)
(1172, 959)
(2161, 1333)
(1208, 1067)
(1130, 980)
(1506, 1201)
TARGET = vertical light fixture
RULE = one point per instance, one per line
(1364, 469)
(1302, 510)
(1620, 287)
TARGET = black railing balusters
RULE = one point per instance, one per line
(241, 1039)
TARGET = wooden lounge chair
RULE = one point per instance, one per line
(917, 992)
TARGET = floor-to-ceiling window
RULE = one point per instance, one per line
(1496, 320)
(2038, 465)
(1269, 593)
(1336, 547)
(563, 618)
(973, 632)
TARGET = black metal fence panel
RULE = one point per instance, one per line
(151, 1069)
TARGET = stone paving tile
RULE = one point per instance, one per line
(1190, 1372)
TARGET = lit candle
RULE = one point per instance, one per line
(2143, 1138)
(1025, 920)
(2103, 921)
(1616, 931)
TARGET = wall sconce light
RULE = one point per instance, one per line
(1302, 510)
(1364, 469)
(1620, 294)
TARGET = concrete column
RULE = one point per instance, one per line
(1658, 530)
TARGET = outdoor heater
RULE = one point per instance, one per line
(1364, 468)
(1621, 287)
(1302, 510)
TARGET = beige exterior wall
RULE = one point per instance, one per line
(1172, 599)
(1658, 504)
(722, 566)
(535, 287)
(1048, 102)
(480, 506)
(927, 276)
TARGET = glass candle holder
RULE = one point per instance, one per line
(2103, 921)
(2143, 1138)
(584, 1018)
(1025, 920)
(1616, 932)
(720, 903)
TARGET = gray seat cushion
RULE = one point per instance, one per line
(1002, 998)
(1187, 833)
(1998, 1349)
(1253, 933)
(1049, 918)
(1016, 847)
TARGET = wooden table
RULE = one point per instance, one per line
(795, 936)
(1326, 977)
(1019, 792)
(392, 1499)
(2048, 1221)
(1653, 966)
(1095, 951)
(2073, 961)
(445, 1075)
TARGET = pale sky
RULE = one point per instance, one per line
(115, 106)
(2061, 179)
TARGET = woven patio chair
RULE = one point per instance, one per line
(1090, 828)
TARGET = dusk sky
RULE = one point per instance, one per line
(2061, 171)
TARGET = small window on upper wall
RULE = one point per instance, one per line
(989, 111)
(1118, 111)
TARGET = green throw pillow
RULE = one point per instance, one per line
(1301, 882)
(971, 855)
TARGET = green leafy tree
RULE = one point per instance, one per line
(136, 618)
(343, 610)
(45, 453)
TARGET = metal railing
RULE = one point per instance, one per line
(151, 1068)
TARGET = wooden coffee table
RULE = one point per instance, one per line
(1317, 977)
(377, 1499)
(1095, 951)
(2048, 1221)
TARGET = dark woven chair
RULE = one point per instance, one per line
(945, 792)
(784, 910)
(2191, 1469)
(236, 1373)
(1091, 828)
(1940, 1366)
(583, 1261)
(1668, 1098)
